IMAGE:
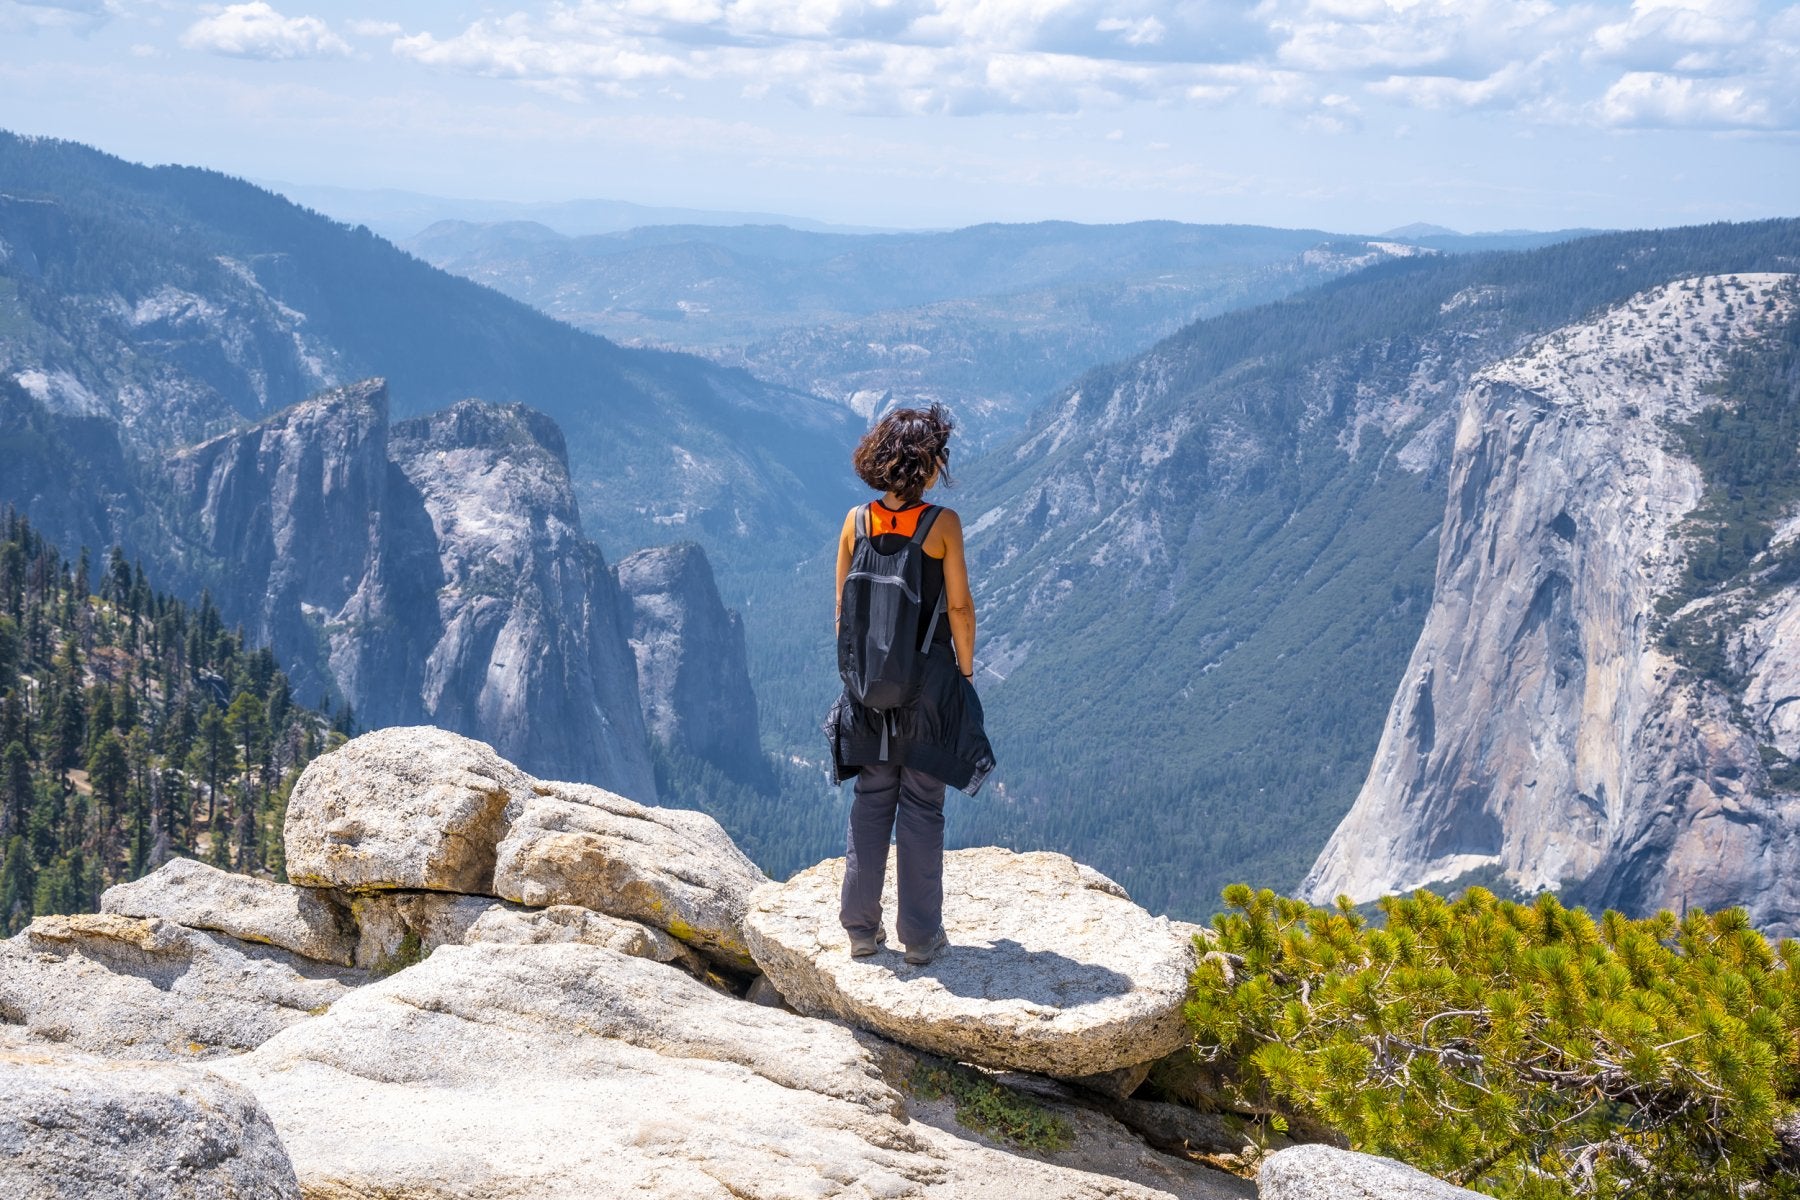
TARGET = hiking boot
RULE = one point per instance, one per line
(918, 956)
(864, 944)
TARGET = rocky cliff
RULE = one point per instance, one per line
(432, 571)
(1545, 730)
(693, 679)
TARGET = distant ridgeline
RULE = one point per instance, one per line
(1217, 557)
(179, 301)
(132, 727)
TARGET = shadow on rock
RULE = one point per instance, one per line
(1006, 970)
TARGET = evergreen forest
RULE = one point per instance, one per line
(133, 728)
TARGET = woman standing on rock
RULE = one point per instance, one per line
(909, 722)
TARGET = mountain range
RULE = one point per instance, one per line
(1217, 555)
(178, 302)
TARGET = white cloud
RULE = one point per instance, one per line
(1455, 38)
(82, 16)
(1667, 33)
(1515, 85)
(257, 31)
(1329, 64)
(1649, 99)
(375, 29)
(1145, 31)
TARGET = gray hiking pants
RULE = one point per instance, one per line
(892, 799)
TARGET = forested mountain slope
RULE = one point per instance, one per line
(132, 727)
(179, 301)
(1201, 572)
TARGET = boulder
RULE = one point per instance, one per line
(1049, 969)
(670, 868)
(506, 924)
(1326, 1173)
(149, 988)
(398, 928)
(407, 807)
(565, 1071)
(74, 1125)
(307, 921)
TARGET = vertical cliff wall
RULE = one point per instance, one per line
(1542, 730)
(433, 571)
(693, 677)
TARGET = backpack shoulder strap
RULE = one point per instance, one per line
(862, 521)
(926, 520)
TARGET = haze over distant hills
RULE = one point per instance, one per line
(398, 214)
(989, 319)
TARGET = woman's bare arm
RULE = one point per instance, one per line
(846, 545)
(959, 603)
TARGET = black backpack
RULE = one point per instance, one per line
(878, 613)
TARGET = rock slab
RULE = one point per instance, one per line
(406, 807)
(1050, 969)
(1326, 1173)
(572, 1072)
(669, 868)
(148, 988)
(307, 921)
(76, 1126)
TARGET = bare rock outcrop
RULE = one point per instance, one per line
(149, 988)
(407, 807)
(309, 922)
(416, 809)
(480, 1071)
(474, 1056)
(74, 1125)
(395, 927)
(1051, 969)
(1542, 732)
(693, 674)
(671, 868)
(1317, 1172)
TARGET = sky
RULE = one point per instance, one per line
(1345, 115)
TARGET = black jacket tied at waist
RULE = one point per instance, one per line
(940, 733)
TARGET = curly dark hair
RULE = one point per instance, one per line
(903, 449)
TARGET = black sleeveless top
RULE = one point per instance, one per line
(931, 581)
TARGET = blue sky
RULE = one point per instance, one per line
(1351, 115)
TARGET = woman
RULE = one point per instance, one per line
(904, 757)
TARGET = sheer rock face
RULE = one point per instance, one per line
(1050, 969)
(74, 1125)
(432, 571)
(530, 652)
(693, 676)
(307, 921)
(480, 1071)
(150, 988)
(1540, 729)
(671, 868)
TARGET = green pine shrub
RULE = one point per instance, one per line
(1525, 1050)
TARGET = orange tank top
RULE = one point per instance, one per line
(883, 519)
